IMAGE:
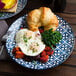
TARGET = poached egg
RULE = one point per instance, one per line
(29, 42)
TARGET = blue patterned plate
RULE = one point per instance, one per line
(21, 5)
(62, 51)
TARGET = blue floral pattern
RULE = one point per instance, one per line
(62, 51)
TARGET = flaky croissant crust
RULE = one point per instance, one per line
(42, 17)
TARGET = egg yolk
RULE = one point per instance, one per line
(9, 3)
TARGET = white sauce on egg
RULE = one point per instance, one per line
(29, 42)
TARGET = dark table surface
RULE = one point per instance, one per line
(68, 68)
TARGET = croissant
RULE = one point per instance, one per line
(42, 17)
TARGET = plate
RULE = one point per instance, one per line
(62, 51)
(20, 7)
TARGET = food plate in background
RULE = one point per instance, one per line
(62, 51)
(20, 7)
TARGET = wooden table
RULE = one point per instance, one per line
(68, 68)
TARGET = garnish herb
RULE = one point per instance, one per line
(34, 50)
(37, 44)
(30, 37)
(25, 39)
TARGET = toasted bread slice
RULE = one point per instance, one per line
(12, 9)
